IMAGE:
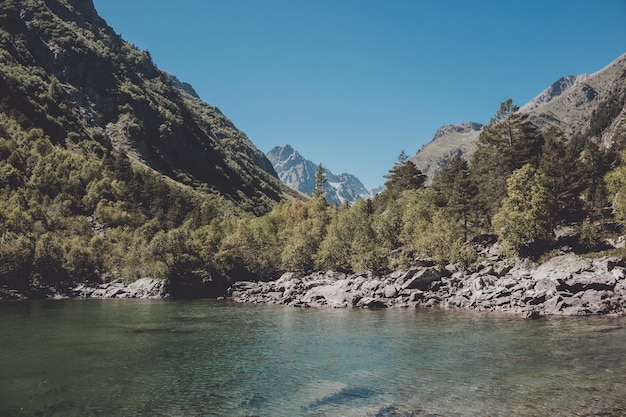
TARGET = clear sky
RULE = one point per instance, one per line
(351, 83)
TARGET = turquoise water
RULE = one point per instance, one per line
(215, 358)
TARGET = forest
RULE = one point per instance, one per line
(75, 212)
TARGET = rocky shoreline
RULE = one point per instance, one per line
(118, 288)
(142, 288)
(567, 285)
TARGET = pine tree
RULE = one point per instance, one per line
(457, 190)
(507, 143)
(403, 176)
(320, 180)
(561, 178)
(596, 162)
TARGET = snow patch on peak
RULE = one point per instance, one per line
(299, 173)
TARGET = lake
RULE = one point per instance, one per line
(217, 358)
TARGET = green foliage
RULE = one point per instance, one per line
(404, 175)
(458, 192)
(320, 180)
(561, 178)
(507, 143)
(616, 188)
(525, 216)
(429, 232)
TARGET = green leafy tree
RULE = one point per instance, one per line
(524, 217)
(16, 259)
(429, 232)
(335, 249)
(616, 187)
(350, 242)
(305, 227)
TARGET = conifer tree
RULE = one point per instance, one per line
(507, 143)
(320, 180)
(595, 163)
(561, 178)
(457, 190)
(403, 176)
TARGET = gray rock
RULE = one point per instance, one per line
(562, 267)
(422, 279)
(371, 302)
(390, 291)
(566, 284)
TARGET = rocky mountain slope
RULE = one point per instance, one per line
(593, 107)
(64, 70)
(585, 107)
(450, 140)
(299, 173)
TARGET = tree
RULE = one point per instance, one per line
(457, 190)
(560, 175)
(403, 176)
(616, 186)
(524, 217)
(305, 227)
(507, 143)
(335, 249)
(595, 163)
(320, 180)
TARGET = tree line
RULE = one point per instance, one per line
(78, 212)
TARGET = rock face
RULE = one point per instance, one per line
(142, 288)
(564, 285)
(449, 141)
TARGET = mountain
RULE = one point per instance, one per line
(64, 70)
(299, 173)
(592, 107)
(555, 90)
(585, 107)
(450, 140)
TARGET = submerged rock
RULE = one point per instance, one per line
(564, 285)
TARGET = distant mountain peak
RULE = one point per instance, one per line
(555, 90)
(299, 173)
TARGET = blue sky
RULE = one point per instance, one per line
(351, 83)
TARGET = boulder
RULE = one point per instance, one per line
(147, 288)
(370, 302)
(562, 267)
(423, 279)
(390, 291)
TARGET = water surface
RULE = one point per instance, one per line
(211, 358)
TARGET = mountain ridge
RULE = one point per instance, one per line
(579, 105)
(299, 173)
(65, 70)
